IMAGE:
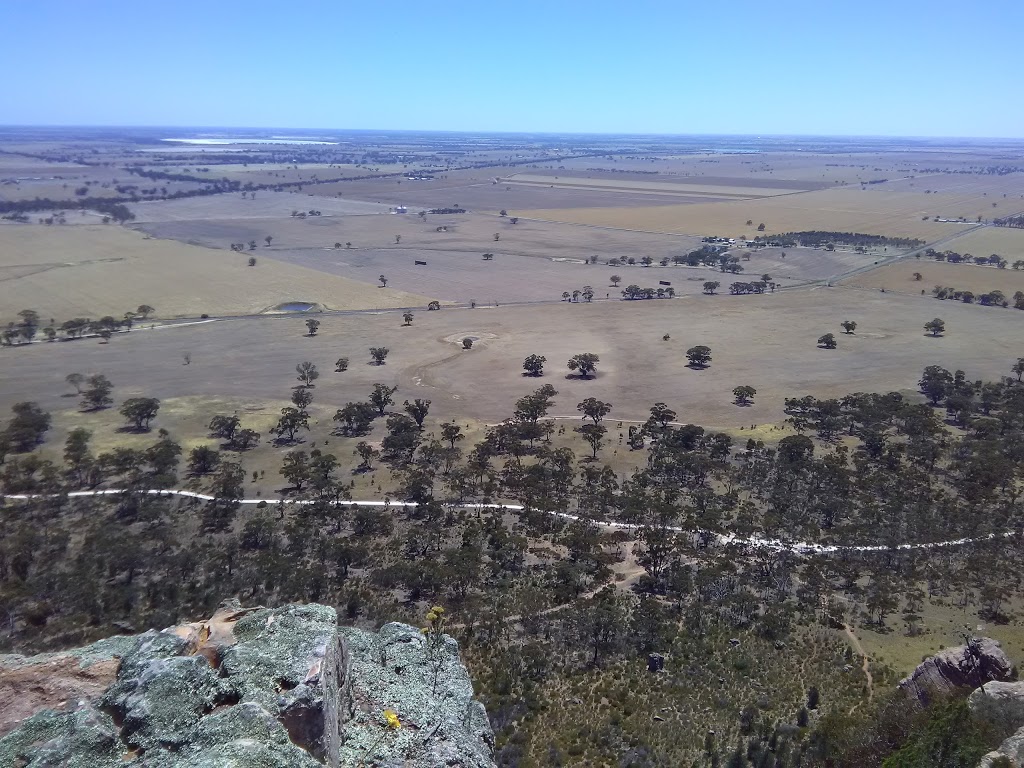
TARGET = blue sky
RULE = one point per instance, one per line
(874, 67)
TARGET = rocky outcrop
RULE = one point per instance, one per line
(966, 666)
(427, 688)
(267, 688)
(1002, 705)
(52, 680)
(1009, 755)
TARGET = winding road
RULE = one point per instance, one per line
(756, 542)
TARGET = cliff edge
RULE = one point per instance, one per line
(259, 687)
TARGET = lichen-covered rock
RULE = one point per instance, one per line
(29, 684)
(430, 691)
(256, 688)
(160, 695)
(1001, 704)
(1011, 750)
(243, 735)
(81, 738)
(288, 660)
(958, 667)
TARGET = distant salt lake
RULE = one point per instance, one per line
(222, 142)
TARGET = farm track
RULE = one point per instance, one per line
(865, 663)
(756, 542)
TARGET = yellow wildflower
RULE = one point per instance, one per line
(391, 718)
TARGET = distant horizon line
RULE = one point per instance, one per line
(493, 132)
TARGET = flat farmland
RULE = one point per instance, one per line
(512, 196)
(95, 270)
(797, 264)
(479, 191)
(265, 205)
(767, 342)
(1005, 241)
(966, 277)
(771, 185)
(465, 277)
(721, 188)
(897, 214)
(823, 168)
(469, 233)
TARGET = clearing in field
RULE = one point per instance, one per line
(872, 211)
(96, 270)
(900, 277)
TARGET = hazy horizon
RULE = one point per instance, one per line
(321, 132)
(875, 69)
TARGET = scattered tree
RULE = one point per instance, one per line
(743, 394)
(615, 280)
(1018, 368)
(341, 365)
(935, 327)
(302, 398)
(144, 311)
(585, 363)
(452, 432)
(75, 380)
(380, 397)
(593, 434)
(699, 356)
(828, 341)
(139, 411)
(534, 365)
(355, 418)
(407, 317)
(711, 286)
(367, 455)
(202, 460)
(595, 409)
(418, 410)
(26, 429)
(308, 373)
(97, 394)
(383, 281)
(291, 421)
(224, 427)
(313, 325)
(467, 343)
(849, 326)
(379, 354)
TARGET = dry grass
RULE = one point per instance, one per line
(943, 626)
(1007, 242)
(899, 277)
(674, 186)
(96, 270)
(850, 209)
(767, 342)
